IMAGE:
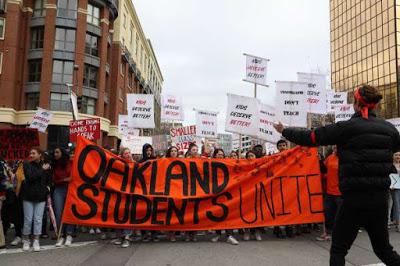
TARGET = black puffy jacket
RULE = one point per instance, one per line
(35, 186)
(365, 150)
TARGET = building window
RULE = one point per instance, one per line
(31, 100)
(35, 70)
(66, 9)
(92, 45)
(1, 62)
(37, 36)
(2, 28)
(62, 71)
(93, 16)
(60, 102)
(39, 9)
(88, 105)
(65, 39)
(90, 76)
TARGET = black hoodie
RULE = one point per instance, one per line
(144, 155)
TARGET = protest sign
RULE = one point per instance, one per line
(242, 115)
(193, 194)
(206, 124)
(182, 137)
(74, 104)
(135, 143)
(41, 120)
(344, 112)
(395, 122)
(291, 107)
(394, 181)
(124, 129)
(88, 128)
(140, 110)
(16, 143)
(172, 108)
(256, 70)
(267, 131)
(336, 99)
(316, 91)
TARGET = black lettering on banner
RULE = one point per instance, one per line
(180, 213)
(153, 180)
(282, 198)
(138, 175)
(92, 205)
(125, 209)
(298, 193)
(314, 194)
(195, 178)
(225, 209)
(269, 206)
(135, 203)
(106, 203)
(255, 206)
(81, 163)
(214, 168)
(196, 201)
(156, 210)
(111, 169)
(182, 175)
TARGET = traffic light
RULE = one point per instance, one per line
(79, 102)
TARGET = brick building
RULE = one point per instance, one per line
(46, 44)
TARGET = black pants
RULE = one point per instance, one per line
(13, 213)
(332, 204)
(368, 210)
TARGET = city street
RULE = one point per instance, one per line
(88, 250)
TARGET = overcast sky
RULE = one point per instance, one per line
(199, 45)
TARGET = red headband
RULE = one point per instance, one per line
(365, 106)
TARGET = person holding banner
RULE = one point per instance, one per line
(395, 195)
(172, 152)
(34, 192)
(234, 155)
(220, 154)
(365, 145)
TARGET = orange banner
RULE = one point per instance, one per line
(193, 194)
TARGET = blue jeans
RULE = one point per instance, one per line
(33, 212)
(59, 196)
(395, 193)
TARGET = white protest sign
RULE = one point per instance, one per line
(74, 103)
(135, 144)
(395, 122)
(242, 115)
(336, 99)
(291, 107)
(206, 124)
(394, 181)
(140, 110)
(256, 70)
(182, 137)
(172, 108)
(316, 92)
(124, 129)
(270, 148)
(344, 112)
(41, 120)
(267, 131)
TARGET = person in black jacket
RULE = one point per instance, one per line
(34, 191)
(365, 146)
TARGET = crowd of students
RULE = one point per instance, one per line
(27, 187)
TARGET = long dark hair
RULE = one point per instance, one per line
(64, 160)
(191, 145)
(168, 153)
(216, 152)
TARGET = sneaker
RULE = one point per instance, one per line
(36, 245)
(215, 239)
(258, 236)
(187, 238)
(125, 244)
(16, 241)
(60, 242)
(103, 236)
(193, 238)
(117, 241)
(231, 240)
(98, 231)
(246, 236)
(91, 231)
(323, 237)
(68, 241)
(172, 238)
(26, 245)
